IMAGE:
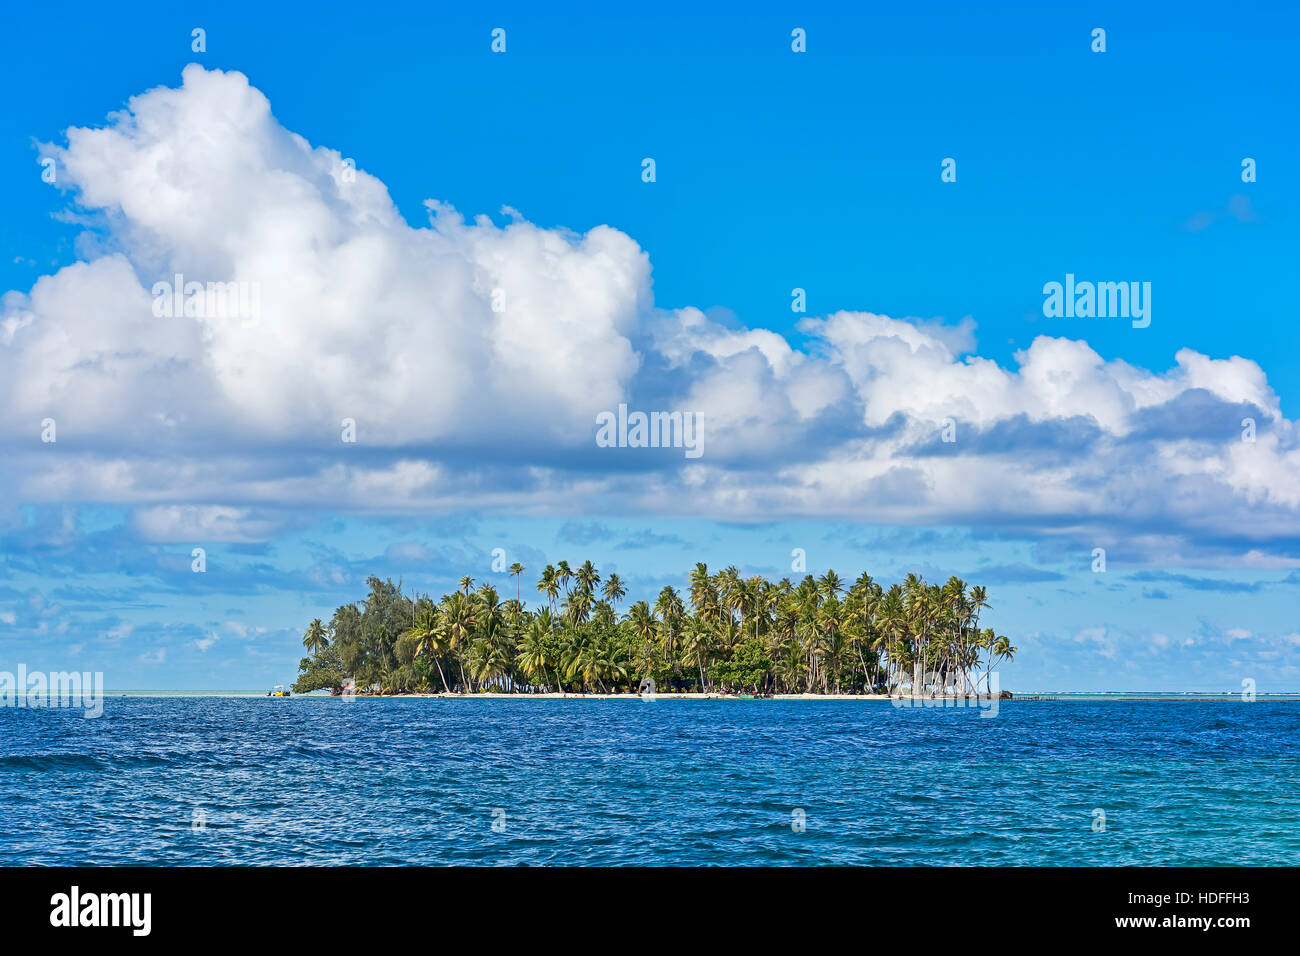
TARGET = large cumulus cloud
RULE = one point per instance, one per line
(474, 357)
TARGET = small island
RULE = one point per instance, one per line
(726, 635)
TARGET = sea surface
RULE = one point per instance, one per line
(231, 780)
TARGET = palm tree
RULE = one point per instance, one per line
(594, 660)
(587, 576)
(696, 647)
(577, 606)
(614, 589)
(460, 618)
(893, 623)
(1001, 649)
(488, 661)
(315, 638)
(644, 627)
(829, 585)
(532, 652)
(493, 638)
(914, 601)
(603, 615)
(549, 584)
(430, 638)
(766, 594)
(700, 586)
(670, 611)
(517, 570)
(788, 667)
(535, 650)
(979, 600)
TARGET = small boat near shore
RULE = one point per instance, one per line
(277, 691)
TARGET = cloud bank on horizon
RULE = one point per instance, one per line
(474, 359)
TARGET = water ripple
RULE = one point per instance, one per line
(254, 781)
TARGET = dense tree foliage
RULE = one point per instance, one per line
(726, 633)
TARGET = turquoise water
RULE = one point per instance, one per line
(210, 780)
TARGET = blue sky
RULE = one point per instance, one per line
(775, 170)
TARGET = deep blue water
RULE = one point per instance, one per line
(630, 782)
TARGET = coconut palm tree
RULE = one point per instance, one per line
(701, 585)
(644, 627)
(697, 647)
(829, 585)
(517, 570)
(893, 624)
(587, 576)
(549, 584)
(532, 657)
(788, 668)
(535, 652)
(614, 590)
(1001, 650)
(488, 662)
(460, 619)
(577, 605)
(603, 615)
(430, 638)
(314, 639)
(915, 602)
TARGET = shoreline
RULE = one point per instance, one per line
(1067, 696)
(1037, 698)
(645, 697)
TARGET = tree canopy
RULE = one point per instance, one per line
(721, 633)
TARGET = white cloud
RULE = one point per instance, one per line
(214, 426)
(119, 632)
(360, 315)
(203, 523)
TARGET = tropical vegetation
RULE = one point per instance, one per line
(723, 633)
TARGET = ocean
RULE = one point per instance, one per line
(208, 780)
